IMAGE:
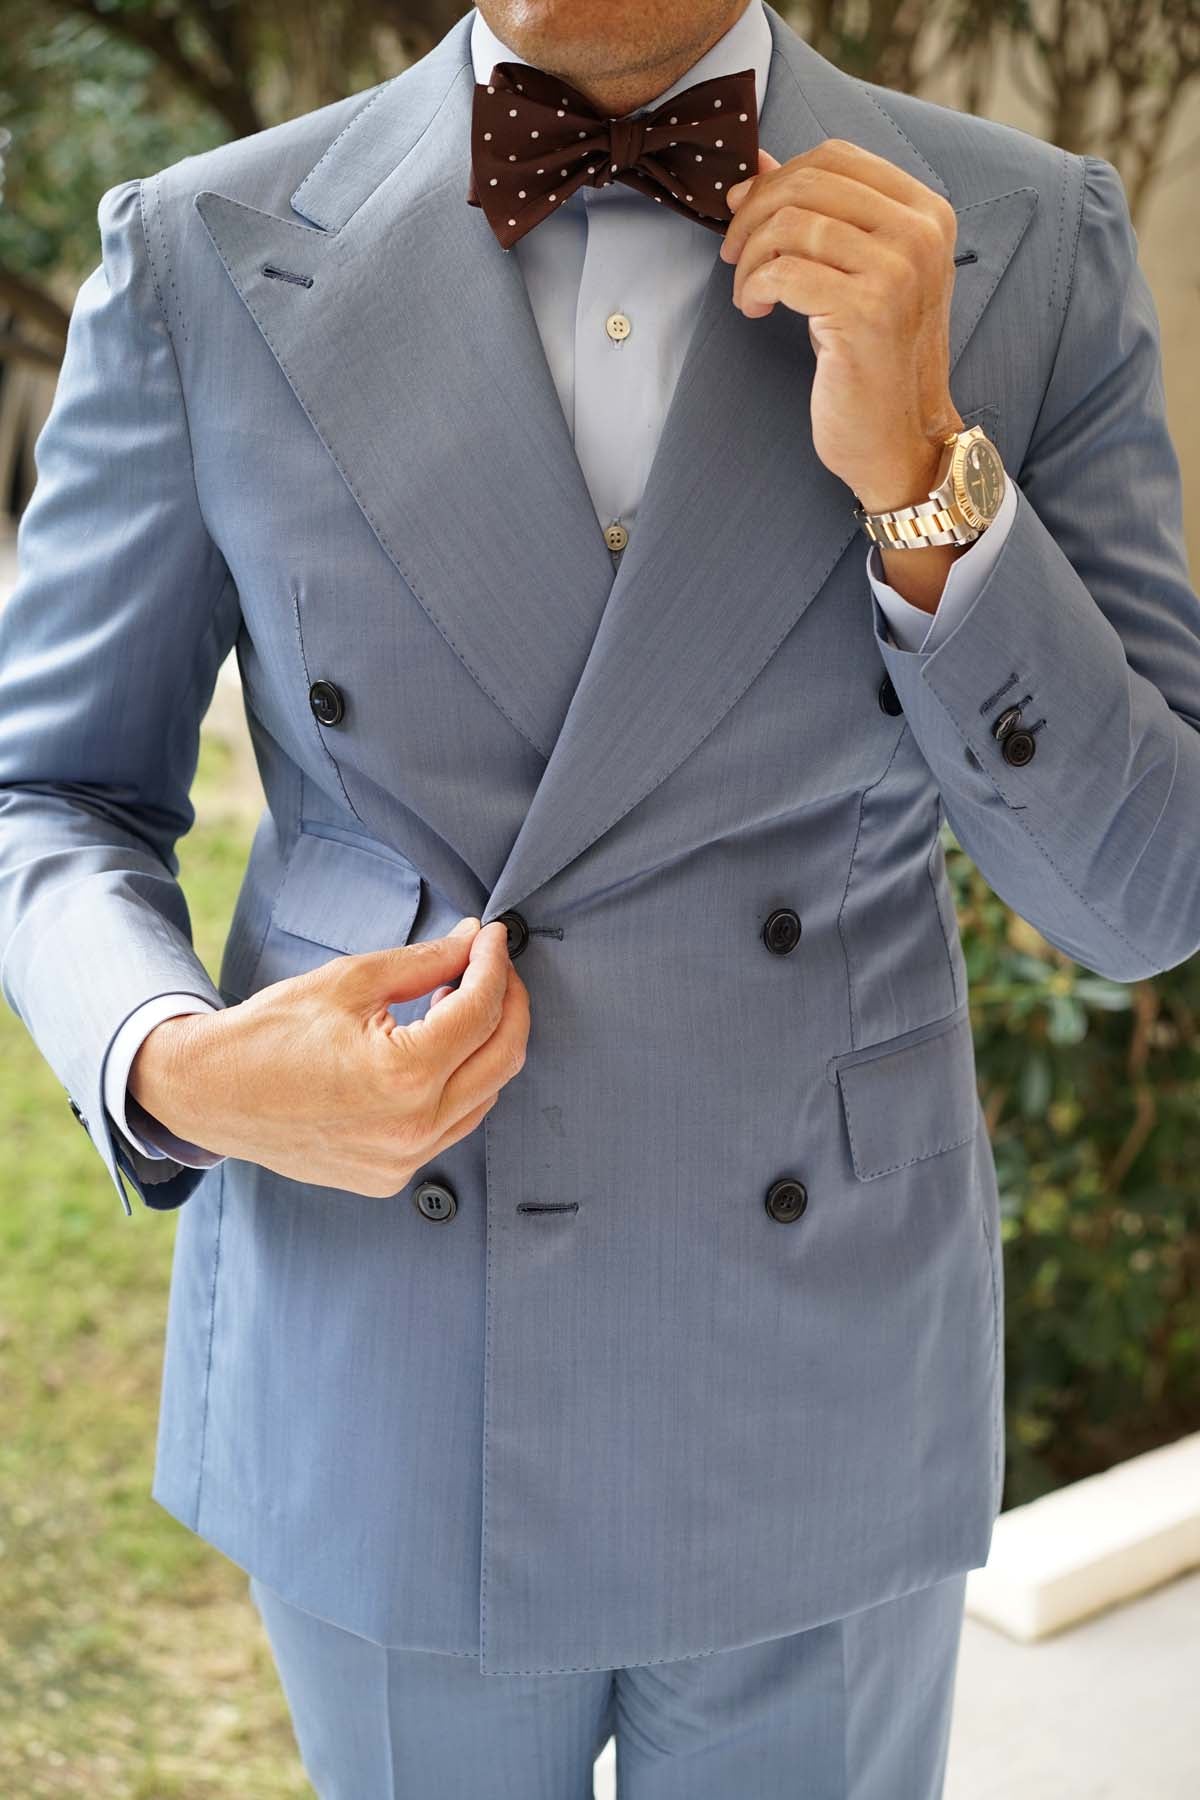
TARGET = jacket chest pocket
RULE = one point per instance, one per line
(910, 1098)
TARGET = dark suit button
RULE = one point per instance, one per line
(79, 1116)
(326, 702)
(434, 1200)
(781, 932)
(786, 1199)
(1018, 748)
(1004, 724)
(518, 931)
(889, 699)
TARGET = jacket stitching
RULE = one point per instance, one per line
(862, 801)
(333, 762)
(212, 1314)
(933, 888)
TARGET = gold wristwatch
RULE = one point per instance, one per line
(964, 500)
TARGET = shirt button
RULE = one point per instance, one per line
(617, 327)
(616, 536)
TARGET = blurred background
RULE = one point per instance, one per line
(131, 1663)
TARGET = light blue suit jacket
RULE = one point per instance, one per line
(613, 1410)
(603, 246)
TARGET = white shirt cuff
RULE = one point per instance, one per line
(911, 628)
(151, 1137)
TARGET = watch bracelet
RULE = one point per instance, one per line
(932, 525)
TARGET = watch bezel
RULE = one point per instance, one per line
(962, 499)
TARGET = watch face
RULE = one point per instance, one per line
(980, 481)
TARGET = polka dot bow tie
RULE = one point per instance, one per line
(534, 140)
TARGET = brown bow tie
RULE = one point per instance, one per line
(534, 140)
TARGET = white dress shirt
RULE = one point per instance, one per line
(607, 251)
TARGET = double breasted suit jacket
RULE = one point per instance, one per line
(698, 1339)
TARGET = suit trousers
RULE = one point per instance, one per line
(855, 1709)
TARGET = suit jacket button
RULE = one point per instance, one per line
(518, 931)
(1005, 722)
(79, 1116)
(326, 702)
(889, 699)
(434, 1200)
(781, 932)
(1018, 748)
(786, 1199)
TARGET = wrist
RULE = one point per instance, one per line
(165, 1076)
(909, 474)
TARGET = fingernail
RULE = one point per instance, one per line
(464, 927)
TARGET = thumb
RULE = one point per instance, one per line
(404, 971)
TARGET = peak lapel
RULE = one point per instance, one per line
(411, 344)
(740, 524)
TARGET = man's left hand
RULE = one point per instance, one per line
(867, 252)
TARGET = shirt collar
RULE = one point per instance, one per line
(747, 44)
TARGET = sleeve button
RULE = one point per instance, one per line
(1018, 748)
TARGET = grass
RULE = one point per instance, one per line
(133, 1665)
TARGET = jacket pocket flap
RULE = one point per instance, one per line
(345, 896)
(912, 1101)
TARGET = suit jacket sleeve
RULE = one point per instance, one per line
(109, 650)
(1087, 620)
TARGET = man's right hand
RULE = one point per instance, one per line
(312, 1078)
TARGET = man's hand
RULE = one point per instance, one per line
(311, 1077)
(867, 252)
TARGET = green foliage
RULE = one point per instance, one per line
(1091, 1089)
(125, 117)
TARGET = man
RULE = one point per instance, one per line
(572, 520)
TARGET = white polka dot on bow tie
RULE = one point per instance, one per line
(583, 134)
(541, 171)
(687, 196)
(553, 197)
(614, 168)
(492, 182)
(563, 98)
(743, 117)
(512, 157)
(491, 90)
(512, 221)
(741, 165)
(512, 112)
(699, 159)
(716, 103)
(591, 168)
(658, 197)
(718, 184)
(672, 121)
(560, 113)
(720, 143)
(562, 171)
(486, 135)
(520, 193)
(534, 134)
